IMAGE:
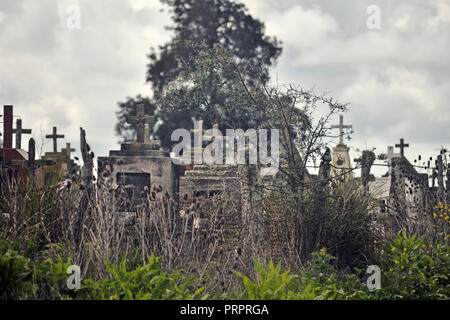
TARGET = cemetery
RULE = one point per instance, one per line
(223, 184)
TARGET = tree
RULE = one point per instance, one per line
(253, 104)
(199, 25)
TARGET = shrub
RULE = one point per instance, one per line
(415, 269)
(146, 282)
(23, 278)
(319, 281)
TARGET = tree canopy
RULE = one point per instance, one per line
(200, 25)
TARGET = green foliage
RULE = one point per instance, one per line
(271, 283)
(23, 278)
(318, 282)
(415, 269)
(321, 281)
(213, 23)
(338, 218)
(146, 282)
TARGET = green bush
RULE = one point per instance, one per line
(23, 278)
(271, 283)
(415, 269)
(146, 282)
(319, 281)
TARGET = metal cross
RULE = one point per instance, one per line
(140, 119)
(402, 145)
(19, 131)
(55, 137)
(341, 128)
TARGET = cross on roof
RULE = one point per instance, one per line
(68, 150)
(19, 131)
(140, 119)
(341, 128)
(55, 137)
(402, 145)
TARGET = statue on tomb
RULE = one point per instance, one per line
(325, 165)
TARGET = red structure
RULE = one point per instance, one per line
(7, 153)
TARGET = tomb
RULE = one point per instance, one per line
(206, 180)
(139, 165)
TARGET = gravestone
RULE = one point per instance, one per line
(71, 168)
(53, 174)
(55, 136)
(402, 145)
(140, 164)
(18, 131)
(206, 180)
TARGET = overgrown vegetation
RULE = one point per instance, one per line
(159, 253)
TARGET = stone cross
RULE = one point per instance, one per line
(402, 145)
(341, 128)
(68, 150)
(389, 155)
(140, 119)
(19, 131)
(55, 137)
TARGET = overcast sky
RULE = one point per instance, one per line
(396, 79)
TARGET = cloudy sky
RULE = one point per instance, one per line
(396, 79)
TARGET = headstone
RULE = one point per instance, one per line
(402, 145)
(138, 164)
(55, 136)
(32, 164)
(67, 151)
(388, 156)
(140, 120)
(19, 131)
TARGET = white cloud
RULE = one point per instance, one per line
(396, 79)
(138, 5)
